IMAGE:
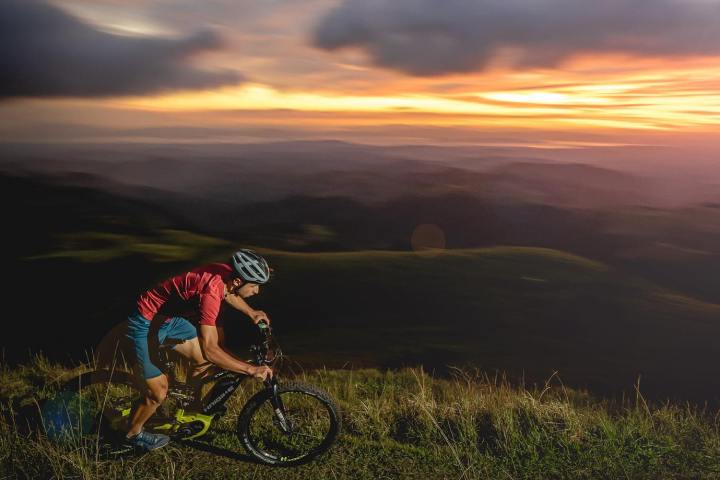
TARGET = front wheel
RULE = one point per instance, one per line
(306, 425)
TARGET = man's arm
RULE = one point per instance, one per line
(239, 303)
(214, 353)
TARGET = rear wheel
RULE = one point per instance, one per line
(92, 408)
(309, 426)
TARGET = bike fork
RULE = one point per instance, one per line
(278, 407)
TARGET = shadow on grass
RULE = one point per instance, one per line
(219, 451)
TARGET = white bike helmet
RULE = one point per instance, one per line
(250, 266)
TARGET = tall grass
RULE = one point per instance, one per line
(404, 424)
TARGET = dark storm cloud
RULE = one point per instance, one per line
(431, 37)
(46, 52)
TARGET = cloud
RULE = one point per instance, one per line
(430, 37)
(47, 52)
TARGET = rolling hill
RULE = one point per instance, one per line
(77, 258)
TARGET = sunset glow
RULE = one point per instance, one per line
(272, 64)
(648, 100)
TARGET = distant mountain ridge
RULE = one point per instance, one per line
(268, 172)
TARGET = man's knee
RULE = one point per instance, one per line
(156, 396)
(157, 389)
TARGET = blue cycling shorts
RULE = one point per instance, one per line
(138, 330)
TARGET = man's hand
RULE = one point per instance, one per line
(261, 373)
(257, 316)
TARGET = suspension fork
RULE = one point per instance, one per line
(278, 406)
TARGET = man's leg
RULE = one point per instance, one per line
(192, 351)
(156, 392)
(156, 383)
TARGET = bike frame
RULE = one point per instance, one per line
(196, 414)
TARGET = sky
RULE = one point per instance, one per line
(544, 73)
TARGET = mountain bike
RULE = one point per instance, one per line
(283, 424)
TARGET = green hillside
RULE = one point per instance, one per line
(526, 311)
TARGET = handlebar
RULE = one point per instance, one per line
(265, 331)
(268, 351)
(264, 327)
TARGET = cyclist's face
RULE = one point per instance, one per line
(248, 290)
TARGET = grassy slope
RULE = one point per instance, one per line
(408, 425)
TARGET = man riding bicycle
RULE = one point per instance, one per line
(203, 289)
